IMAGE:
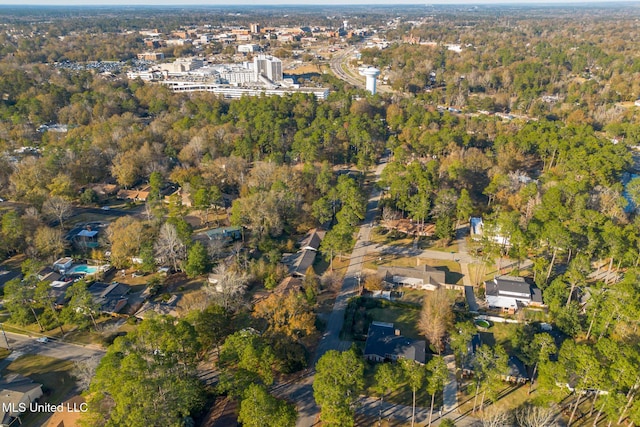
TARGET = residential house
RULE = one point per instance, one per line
(299, 262)
(63, 264)
(517, 371)
(86, 239)
(104, 191)
(511, 293)
(478, 230)
(311, 241)
(159, 308)
(138, 195)
(384, 343)
(16, 392)
(111, 297)
(423, 277)
(288, 284)
(47, 274)
(225, 233)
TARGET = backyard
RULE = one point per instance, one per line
(362, 311)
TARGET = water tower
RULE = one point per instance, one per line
(371, 74)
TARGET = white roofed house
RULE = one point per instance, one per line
(63, 264)
(511, 293)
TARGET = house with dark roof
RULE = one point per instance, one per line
(299, 262)
(384, 343)
(112, 297)
(149, 308)
(47, 274)
(423, 277)
(511, 293)
(311, 241)
(16, 393)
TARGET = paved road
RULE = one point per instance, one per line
(23, 344)
(336, 65)
(302, 392)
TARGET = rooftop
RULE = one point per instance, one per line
(386, 342)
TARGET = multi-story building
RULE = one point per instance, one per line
(268, 66)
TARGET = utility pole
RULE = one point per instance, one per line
(5, 336)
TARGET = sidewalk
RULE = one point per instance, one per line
(373, 408)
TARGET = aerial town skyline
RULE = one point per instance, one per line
(90, 3)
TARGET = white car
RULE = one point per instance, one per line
(43, 339)
(105, 208)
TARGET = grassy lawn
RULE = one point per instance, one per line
(32, 329)
(434, 245)
(412, 296)
(500, 333)
(90, 217)
(510, 398)
(475, 270)
(363, 311)
(403, 318)
(383, 236)
(53, 374)
(4, 353)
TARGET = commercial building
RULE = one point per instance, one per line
(262, 76)
(269, 67)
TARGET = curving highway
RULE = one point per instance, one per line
(337, 63)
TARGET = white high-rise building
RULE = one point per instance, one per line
(268, 66)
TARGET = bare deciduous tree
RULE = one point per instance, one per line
(536, 416)
(57, 207)
(436, 317)
(84, 371)
(229, 287)
(169, 248)
(494, 417)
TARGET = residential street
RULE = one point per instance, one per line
(302, 392)
(23, 344)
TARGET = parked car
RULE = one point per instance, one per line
(43, 339)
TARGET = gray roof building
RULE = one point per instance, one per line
(16, 391)
(384, 342)
(511, 293)
(112, 297)
(299, 262)
(311, 241)
(423, 277)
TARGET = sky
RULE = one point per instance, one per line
(285, 2)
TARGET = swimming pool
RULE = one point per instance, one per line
(83, 269)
